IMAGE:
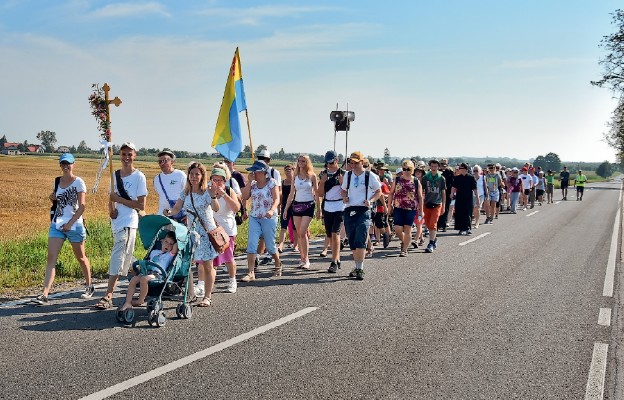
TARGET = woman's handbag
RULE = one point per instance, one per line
(218, 237)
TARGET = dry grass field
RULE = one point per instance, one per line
(27, 182)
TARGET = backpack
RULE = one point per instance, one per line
(366, 179)
(57, 180)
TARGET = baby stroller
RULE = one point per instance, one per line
(173, 281)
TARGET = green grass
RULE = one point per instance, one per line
(22, 262)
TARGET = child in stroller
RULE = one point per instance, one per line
(162, 257)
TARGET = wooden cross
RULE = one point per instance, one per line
(116, 101)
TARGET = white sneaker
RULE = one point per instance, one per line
(231, 287)
(200, 291)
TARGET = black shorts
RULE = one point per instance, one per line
(380, 220)
(580, 189)
(564, 184)
(527, 191)
(332, 222)
(284, 221)
(539, 192)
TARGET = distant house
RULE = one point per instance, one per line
(35, 148)
(10, 149)
(62, 149)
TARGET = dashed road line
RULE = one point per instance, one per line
(533, 213)
(155, 373)
(474, 238)
(597, 371)
(604, 317)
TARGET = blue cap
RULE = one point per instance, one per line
(67, 157)
(258, 165)
(330, 156)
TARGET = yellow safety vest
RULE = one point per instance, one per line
(580, 180)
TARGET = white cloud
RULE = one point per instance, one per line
(255, 15)
(130, 10)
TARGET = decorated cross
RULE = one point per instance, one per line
(116, 101)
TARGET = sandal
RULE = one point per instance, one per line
(323, 254)
(277, 270)
(248, 278)
(206, 302)
(104, 304)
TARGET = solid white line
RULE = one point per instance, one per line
(604, 317)
(474, 238)
(533, 213)
(137, 380)
(597, 371)
(607, 289)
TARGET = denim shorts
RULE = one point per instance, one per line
(77, 235)
(403, 217)
(494, 195)
(357, 221)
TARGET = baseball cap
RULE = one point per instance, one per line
(218, 172)
(263, 153)
(525, 169)
(330, 156)
(515, 169)
(68, 157)
(258, 165)
(356, 156)
(129, 145)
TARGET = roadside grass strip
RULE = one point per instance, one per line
(155, 373)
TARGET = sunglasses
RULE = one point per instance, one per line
(165, 161)
(65, 163)
(406, 169)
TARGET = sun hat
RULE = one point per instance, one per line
(167, 153)
(399, 170)
(264, 154)
(258, 165)
(68, 157)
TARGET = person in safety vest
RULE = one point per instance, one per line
(579, 182)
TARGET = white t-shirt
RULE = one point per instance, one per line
(303, 190)
(357, 191)
(225, 216)
(480, 186)
(67, 205)
(275, 174)
(136, 186)
(527, 181)
(173, 183)
(333, 197)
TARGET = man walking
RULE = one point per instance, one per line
(449, 175)
(564, 179)
(127, 199)
(434, 186)
(169, 183)
(360, 189)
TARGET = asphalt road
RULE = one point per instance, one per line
(511, 315)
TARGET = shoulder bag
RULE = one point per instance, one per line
(218, 237)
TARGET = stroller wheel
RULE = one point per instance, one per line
(179, 310)
(151, 317)
(128, 315)
(186, 311)
(161, 319)
(120, 315)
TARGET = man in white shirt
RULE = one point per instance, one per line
(527, 185)
(360, 189)
(170, 182)
(124, 206)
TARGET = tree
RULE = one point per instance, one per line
(281, 153)
(3, 140)
(48, 140)
(386, 157)
(613, 62)
(605, 169)
(83, 148)
(260, 148)
(553, 162)
(23, 147)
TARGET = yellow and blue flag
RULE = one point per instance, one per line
(228, 138)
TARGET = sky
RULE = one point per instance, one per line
(441, 78)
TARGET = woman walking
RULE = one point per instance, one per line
(405, 202)
(286, 223)
(67, 223)
(264, 195)
(303, 198)
(201, 204)
(464, 186)
(481, 188)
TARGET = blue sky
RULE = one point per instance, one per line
(443, 78)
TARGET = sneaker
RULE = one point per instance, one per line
(429, 248)
(468, 232)
(386, 240)
(200, 291)
(88, 292)
(414, 244)
(359, 274)
(435, 244)
(462, 233)
(231, 287)
(266, 261)
(338, 264)
(333, 268)
(352, 273)
(403, 254)
(40, 300)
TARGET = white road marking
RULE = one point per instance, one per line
(604, 317)
(597, 371)
(533, 213)
(557, 202)
(474, 238)
(137, 380)
(607, 289)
